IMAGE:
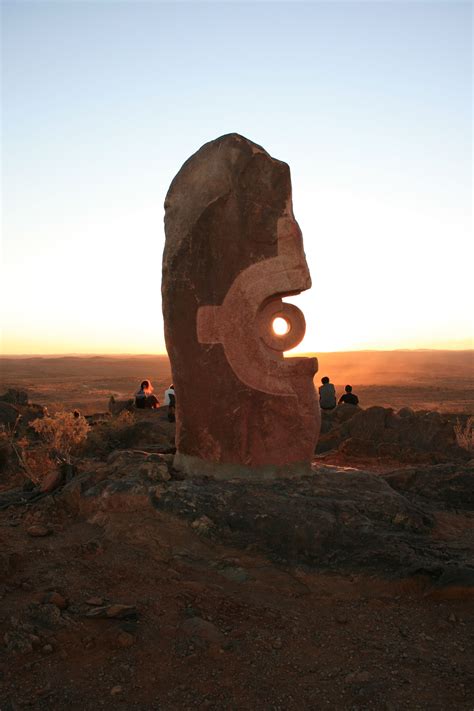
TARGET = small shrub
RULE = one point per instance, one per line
(38, 463)
(465, 434)
(107, 436)
(63, 432)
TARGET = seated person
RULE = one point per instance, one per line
(144, 399)
(170, 400)
(349, 398)
(327, 395)
(169, 394)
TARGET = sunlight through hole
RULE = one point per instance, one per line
(280, 326)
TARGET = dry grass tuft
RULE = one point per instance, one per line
(465, 434)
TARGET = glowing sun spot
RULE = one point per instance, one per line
(280, 326)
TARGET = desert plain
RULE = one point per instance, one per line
(424, 380)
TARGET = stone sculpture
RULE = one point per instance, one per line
(233, 250)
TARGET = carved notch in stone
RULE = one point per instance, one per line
(233, 250)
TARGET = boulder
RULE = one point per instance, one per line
(144, 432)
(118, 406)
(449, 484)
(6, 455)
(233, 249)
(15, 397)
(51, 481)
(345, 412)
(330, 440)
(132, 463)
(369, 424)
(9, 415)
(32, 412)
(327, 421)
(406, 435)
(356, 447)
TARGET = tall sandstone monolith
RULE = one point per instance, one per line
(233, 250)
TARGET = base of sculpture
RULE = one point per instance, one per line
(195, 466)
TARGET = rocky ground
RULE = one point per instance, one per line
(124, 585)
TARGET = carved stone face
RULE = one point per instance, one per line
(233, 250)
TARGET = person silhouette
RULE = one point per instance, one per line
(170, 400)
(327, 394)
(348, 398)
(144, 399)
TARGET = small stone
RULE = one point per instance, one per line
(202, 524)
(51, 481)
(37, 530)
(95, 601)
(452, 617)
(18, 642)
(342, 619)
(357, 678)
(125, 639)
(116, 690)
(43, 690)
(48, 649)
(46, 615)
(116, 611)
(277, 643)
(121, 611)
(55, 598)
(203, 629)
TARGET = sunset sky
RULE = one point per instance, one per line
(370, 103)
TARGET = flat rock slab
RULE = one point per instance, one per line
(341, 519)
(407, 523)
(449, 485)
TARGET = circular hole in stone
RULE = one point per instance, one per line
(280, 326)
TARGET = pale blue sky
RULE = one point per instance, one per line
(370, 103)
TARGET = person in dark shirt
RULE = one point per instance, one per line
(349, 398)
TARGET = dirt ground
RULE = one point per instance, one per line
(216, 628)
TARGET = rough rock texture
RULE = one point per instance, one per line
(451, 485)
(380, 432)
(233, 250)
(9, 414)
(151, 466)
(340, 519)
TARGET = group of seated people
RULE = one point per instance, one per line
(145, 400)
(327, 395)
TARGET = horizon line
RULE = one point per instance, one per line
(165, 354)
